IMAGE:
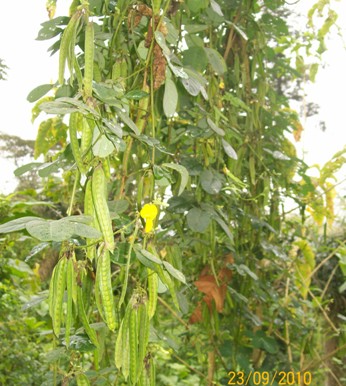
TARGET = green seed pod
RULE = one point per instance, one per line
(76, 122)
(88, 60)
(98, 187)
(133, 336)
(59, 286)
(153, 284)
(89, 210)
(86, 142)
(104, 283)
(121, 338)
(143, 334)
(67, 40)
(69, 312)
(84, 319)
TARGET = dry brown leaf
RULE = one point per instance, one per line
(208, 285)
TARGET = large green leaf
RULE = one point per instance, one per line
(216, 61)
(198, 220)
(128, 121)
(211, 181)
(63, 229)
(102, 146)
(38, 92)
(17, 224)
(196, 57)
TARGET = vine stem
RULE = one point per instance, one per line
(170, 309)
(189, 367)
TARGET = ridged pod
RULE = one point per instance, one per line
(67, 43)
(75, 123)
(87, 137)
(89, 210)
(133, 337)
(99, 187)
(104, 283)
(88, 59)
(83, 317)
(70, 283)
(143, 335)
(57, 296)
(120, 343)
(153, 284)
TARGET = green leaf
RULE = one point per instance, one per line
(102, 146)
(146, 262)
(216, 61)
(27, 168)
(50, 230)
(108, 93)
(150, 256)
(195, 57)
(17, 224)
(243, 270)
(239, 30)
(184, 174)
(196, 6)
(128, 121)
(38, 92)
(50, 28)
(198, 220)
(182, 203)
(174, 272)
(118, 206)
(114, 128)
(37, 249)
(216, 7)
(194, 28)
(87, 231)
(80, 218)
(267, 343)
(170, 98)
(66, 106)
(63, 229)
(161, 41)
(136, 95)
(229, 150)
(81, 343)
(215, 128)
(224, 226)
(211, 181)
(64, 91)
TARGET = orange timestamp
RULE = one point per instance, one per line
(264, 378)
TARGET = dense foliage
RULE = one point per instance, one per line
(167, 166)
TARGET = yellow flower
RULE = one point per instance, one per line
(149, 213)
